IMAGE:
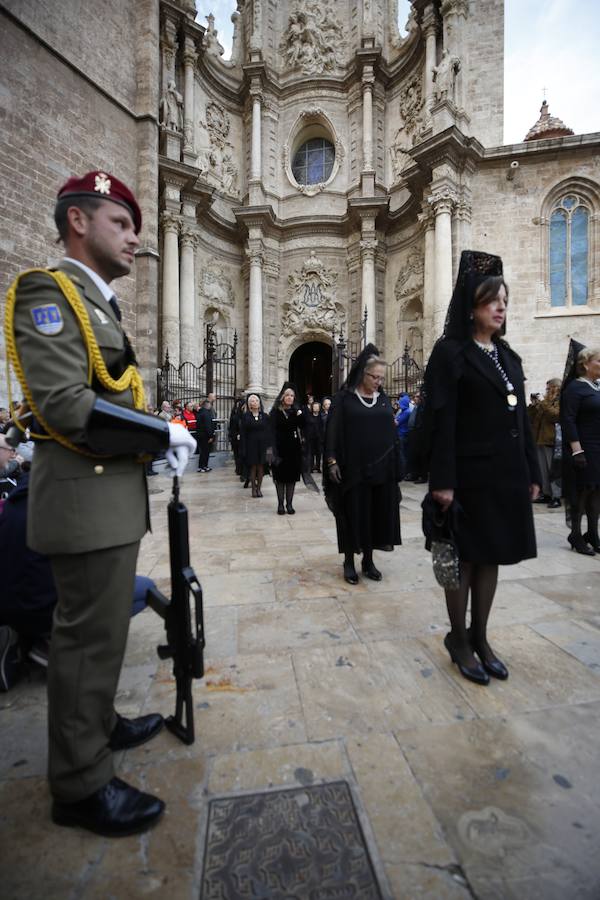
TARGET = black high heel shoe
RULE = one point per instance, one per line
(472, 673)
(350, 573)
(370, 571)
(595, 544)
(493, 666)
(578, 544)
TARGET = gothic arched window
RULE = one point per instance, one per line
(569, 252)
(313, 161)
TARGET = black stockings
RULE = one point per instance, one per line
(289, 494)
(481, 580)
(256, 477)
(592, 511)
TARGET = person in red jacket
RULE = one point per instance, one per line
(189, 415)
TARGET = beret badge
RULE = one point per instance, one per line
(102, 183)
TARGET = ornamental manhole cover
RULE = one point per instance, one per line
(300, 844)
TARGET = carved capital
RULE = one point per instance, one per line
(256, 254)
(455, 8)
(368, 78)
(189, 236)
(464, 211)
(368, 248)
(443, 201)
(189, 56)
(170, 223)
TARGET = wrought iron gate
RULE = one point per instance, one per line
(404, 375)
(344, 353)
(217, 374)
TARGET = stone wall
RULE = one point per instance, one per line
(506, 220)
(483, 40)
(55, 123)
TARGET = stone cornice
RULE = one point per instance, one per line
(550, 146)
(450, 147)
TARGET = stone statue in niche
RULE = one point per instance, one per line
(171, 107)
(210, 40)
(216, 161)
(314, 41)
(311, 301)
(215, 286)
(399, 154)
(229, 175)
(444, 77)
(414, 343)
(410, 278)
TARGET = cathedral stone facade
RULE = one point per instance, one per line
(323, 180)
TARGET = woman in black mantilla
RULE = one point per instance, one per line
(483, 464)
(362, 466)
(255, 438)
(285, 452)
(580, 420)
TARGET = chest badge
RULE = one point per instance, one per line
(103, 319)
(47, 319)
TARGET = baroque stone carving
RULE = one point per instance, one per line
(216, 160)
(215, 286)
(314, 41)
(444, 77)
(211, 41)
(410, 278)
(412, 124)
(311, 301)
(171, 106)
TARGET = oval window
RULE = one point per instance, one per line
(313, 161)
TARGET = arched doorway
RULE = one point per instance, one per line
(310, 369)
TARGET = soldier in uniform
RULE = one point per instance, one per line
(88, 498)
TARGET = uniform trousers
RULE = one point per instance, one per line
(89, 634)
(549, 486)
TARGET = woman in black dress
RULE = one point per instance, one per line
(580, 418)
(254, 439)
(362, 466)
(287, 420)
(483, 463)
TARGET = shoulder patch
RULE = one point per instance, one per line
(47, 319)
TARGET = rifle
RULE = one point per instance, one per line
(184, 628)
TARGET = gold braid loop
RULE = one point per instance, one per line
(130, 379)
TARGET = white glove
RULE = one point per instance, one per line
(181, 447)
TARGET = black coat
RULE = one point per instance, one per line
(286, 437)
(255, 437)
(365, 445)
(485, 451)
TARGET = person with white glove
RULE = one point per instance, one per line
(181, 446)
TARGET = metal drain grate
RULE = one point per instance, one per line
(300, 844)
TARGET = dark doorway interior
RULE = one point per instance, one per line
(310, 369)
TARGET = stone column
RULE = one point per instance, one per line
(428, 222)
(442, 203)
(189, 61)
(170, 287)
(255, 159)
(368, 248)
(368, 80)
(187, 294)
(429, 30)
(255, 318)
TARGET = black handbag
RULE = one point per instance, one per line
(437, 527)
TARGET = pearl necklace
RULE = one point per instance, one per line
(592, 384)
(491, 351)
(370, 405)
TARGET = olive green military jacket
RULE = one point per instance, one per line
(76, 503)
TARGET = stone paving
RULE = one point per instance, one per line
(462, 791)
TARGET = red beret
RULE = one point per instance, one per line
(104, 187)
